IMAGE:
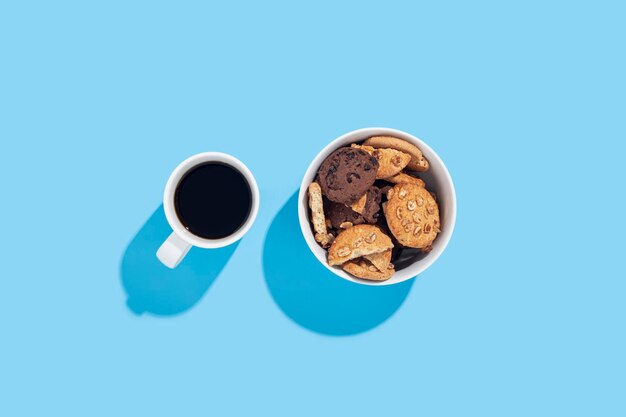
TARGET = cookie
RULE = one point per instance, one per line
(359, 205)
(357, 241)
(317, 215)
(380, 260)
(361, 268)
(384, 189)
(412, 215)
(346, 174)
(390, 161)
(340, 213)
(417, 163)
(371, 210)
(403, 178)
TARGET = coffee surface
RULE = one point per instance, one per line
(213, 200)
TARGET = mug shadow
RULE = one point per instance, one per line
(153, 288)
(314, 297)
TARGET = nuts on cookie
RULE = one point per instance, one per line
(344, 251)
(412, 228)
(372, 238)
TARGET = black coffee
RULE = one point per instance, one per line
(213, 200)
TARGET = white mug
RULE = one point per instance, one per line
(174, 249)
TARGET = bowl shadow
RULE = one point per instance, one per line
(314, 297)
(153, 288)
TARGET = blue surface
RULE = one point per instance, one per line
(311, 295)
(522, 315)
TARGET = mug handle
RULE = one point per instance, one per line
(172, 251)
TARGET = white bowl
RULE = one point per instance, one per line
(437, 179)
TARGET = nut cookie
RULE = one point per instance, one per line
(417, 163)
(403, 178)
(358, 241)
(412, 215)
(380, 260)
(362, 269)
(390, 161)
(317, 215)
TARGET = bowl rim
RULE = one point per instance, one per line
(303, 209)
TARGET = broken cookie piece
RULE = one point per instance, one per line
(390, 161)
(371, 210)
(417, 162)
(340, 213)
(359, 205)
(380, 260)
(317, 215)
(403, 178)
(358, 241)
(361, 268)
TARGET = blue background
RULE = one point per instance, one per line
(522, 315)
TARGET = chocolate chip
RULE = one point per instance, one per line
(351, 176)
(367, 167)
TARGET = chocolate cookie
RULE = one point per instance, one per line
(346, 174)
(372, 205)
(370, 213)
(340, 213)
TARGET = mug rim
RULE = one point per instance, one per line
(418, 266)
(170, 189)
